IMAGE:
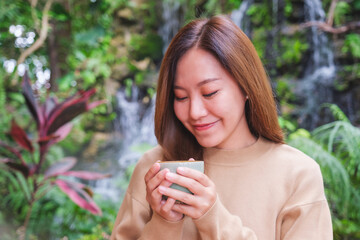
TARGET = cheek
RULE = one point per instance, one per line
(180, 111)
(228, 107)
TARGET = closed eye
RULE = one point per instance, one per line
(180, 98)
(210, 94)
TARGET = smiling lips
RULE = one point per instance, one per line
(203, 127)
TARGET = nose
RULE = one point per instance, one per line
(197, 109)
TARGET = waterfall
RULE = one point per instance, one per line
(316, 86)
(171, 17)
(322, 55)
(135, 123)
(239, 16)
(275, 11)
(137, 126)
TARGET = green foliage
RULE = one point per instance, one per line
(283, 89)
(259, 13)
(55, 216)
(231, 5)
(113, 5)
(352, 45)
(212, 7)
(59, 13)
(4, 118)
(259, 39)
(347, 76)
(288, 9)
(336, 112)
(151, 92)
(128, 87)
(336, 147)
(14, 12)
(341, 10)
(73, 222)
(286, 125)
(292, 51)
(90, 37)
(14, 198)
(149, 45)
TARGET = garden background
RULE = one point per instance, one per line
(66, 156)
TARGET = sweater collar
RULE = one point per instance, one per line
(235, 156)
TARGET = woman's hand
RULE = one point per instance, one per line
(198, 183)
(153, 180)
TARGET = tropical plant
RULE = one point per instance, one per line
(28, 163)
(336, 147)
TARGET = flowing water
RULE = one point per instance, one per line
(171, 21)
(135, 125)
(239, 16)
(316, 87)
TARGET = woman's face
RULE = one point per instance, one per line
(209, 103)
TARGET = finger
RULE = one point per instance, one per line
(187, 210)
(186, 198)
(168, 205)
(191, 160)
(189, 183)
(166, 183)
(194, 174)
(152, 172)
(152, 196)
(156, 180)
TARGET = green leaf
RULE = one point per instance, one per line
(91, 37)
(337, 112)
(24, 185)
(342, 8)
(88, 77)
(66, 82)
(352, 45)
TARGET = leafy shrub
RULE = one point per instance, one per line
(31, 174)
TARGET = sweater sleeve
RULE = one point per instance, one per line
(308, 221)
(218, 223)
(306, 214)
(135, 219)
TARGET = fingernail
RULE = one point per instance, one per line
(181, 170)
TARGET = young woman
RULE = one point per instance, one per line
(215, 103)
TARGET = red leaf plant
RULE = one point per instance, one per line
(53, 125)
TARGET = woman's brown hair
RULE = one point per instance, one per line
(232, 48)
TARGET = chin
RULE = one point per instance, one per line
(208, 144)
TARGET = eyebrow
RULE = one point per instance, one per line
(205, 81)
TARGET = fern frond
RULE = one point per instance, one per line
(336, 112)
(343, 139)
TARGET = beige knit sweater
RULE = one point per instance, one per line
(265, 191)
